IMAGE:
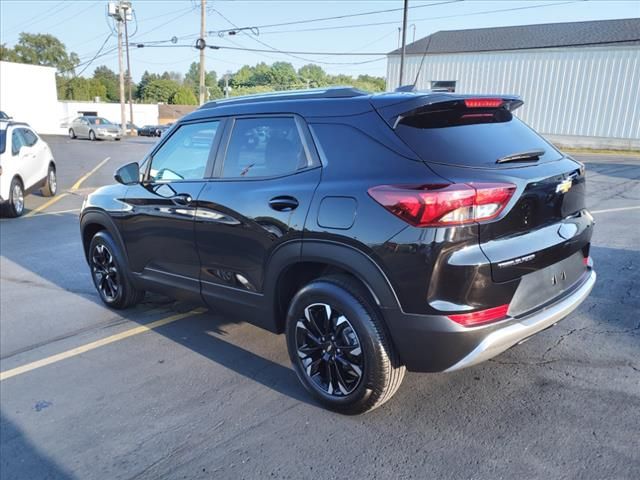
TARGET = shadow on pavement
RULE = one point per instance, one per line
(20, 459)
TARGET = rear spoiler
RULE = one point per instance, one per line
(416, 104)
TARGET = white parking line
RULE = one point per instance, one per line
(621, 209)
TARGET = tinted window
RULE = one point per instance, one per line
(264, 147)
(185, 154)
(3, 140)
(99, 121)
(16, 142)
(30, 138)
(471, 138)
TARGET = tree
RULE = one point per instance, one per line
(184, 96)
(44, 49)
(192, 80)
(283, 75)
(160, 90)
(314, 74)
(79, 88)
(111, 82)
(8, 54)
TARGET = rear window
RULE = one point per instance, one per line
(472, 137)
(3, 140)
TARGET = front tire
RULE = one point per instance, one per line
(109, 273)
(92, 136)
(339, 346)
(72, 134)
(16, 198)
(51, 184)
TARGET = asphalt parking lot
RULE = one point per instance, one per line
(86, 392)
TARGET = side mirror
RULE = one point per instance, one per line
(128, 174)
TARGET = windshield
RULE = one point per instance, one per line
(3, 140)
(99, 121)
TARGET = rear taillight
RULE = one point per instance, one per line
(483, 102)
(444, 204)
(481, 317)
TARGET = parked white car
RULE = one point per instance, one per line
(26, 164)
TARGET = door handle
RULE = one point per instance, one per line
(283, 203)
(182, 199)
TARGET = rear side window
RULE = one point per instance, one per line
(471, 138)
(264, 147)
(3, 140)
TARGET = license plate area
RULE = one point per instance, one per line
(544, 285)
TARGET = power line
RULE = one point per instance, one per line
(95, 56)
(350, 15)
(374, 24)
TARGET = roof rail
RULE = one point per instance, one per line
(331, 92)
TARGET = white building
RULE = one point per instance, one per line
(28, 94)
(580, 82)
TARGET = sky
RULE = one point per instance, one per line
(83, 26)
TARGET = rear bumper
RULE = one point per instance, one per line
(435, 343)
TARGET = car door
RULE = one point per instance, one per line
(27, 160)
(158, 230)
(83, 127)
(36, 162)
(265, 177)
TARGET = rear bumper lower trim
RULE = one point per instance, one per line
(504, 338)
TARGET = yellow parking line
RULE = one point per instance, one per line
(76, 185)
(46, 204)
(98, 343)
(73, 188)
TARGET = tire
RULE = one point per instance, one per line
(110, 274)
(352, 367)
(72, 134)
(51, 184)
(92, 136)
(15, 205)
(117, 139)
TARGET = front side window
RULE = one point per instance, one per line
(17, 142)
(264, 147)
(185, 154)
(99, 121)
(30, 138)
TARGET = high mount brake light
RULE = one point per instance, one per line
(444, 204)
(483, 102)
(481, 317)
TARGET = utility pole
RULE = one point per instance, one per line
(203, 32)
(404, 39)
(126, 6)
(123, 115)
(226, 85)
(120, 11)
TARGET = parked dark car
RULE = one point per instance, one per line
(147, 131)
(419, 231)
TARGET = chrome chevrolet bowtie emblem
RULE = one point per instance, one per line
(564, 186)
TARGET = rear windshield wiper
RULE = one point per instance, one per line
(530, 156)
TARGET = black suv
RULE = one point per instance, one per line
(419, 231)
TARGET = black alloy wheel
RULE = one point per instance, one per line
(105, 273)
(339, 346)
(329, 350)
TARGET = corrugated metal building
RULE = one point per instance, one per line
(580, 81)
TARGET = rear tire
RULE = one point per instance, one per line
(339, 346)
(92, 136)
(72, 134)
(110, 274)
(51, 184)
(15, 206)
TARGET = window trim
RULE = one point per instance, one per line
(171, 132)
(313, 160)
